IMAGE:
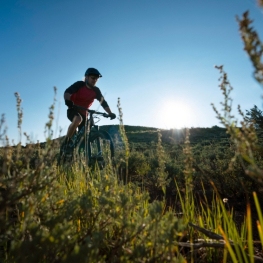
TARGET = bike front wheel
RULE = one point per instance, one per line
(100, 146)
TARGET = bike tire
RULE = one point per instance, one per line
(64, 157)
(96, 142)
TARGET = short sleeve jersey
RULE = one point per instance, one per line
(83, 96)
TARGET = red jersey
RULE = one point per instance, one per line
(84, 96)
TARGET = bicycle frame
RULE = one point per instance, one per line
(77, 137)
(90, 140)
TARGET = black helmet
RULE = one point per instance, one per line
(92, 71)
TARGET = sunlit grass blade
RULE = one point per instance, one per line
(260, 216)
(231, 231)
(259, 211)
(260, 231)
(181, 199)
(228, 246)
(250, 235)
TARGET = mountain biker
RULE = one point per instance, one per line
(83, 93)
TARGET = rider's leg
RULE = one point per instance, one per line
(76, 118)
(71, 129)
(73, 126)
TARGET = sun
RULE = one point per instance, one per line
(176, 115)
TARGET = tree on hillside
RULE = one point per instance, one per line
(255, 115)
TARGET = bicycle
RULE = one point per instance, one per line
(89, 141)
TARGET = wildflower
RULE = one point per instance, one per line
(225, 200)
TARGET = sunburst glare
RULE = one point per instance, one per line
(175, 115)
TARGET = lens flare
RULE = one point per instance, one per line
(176, 115)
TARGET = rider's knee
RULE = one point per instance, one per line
(77, 120)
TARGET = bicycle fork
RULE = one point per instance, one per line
(99, 153)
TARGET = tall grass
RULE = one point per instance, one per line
(52, 213)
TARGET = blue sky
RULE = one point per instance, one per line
(157, 56)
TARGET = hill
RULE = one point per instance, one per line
(148, 135)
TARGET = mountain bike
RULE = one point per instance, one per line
(89, 142)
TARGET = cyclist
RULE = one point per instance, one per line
(83, 93)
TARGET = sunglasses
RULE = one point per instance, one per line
(94, 77)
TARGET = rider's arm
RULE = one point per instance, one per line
(70, 90)
(111, 114)
(103, 103)
(107, 109)
(73, 88)
(67, 96)
(101, 99)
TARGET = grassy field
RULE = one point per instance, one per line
(192, 195)
(162, 198)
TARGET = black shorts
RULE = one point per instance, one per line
(71, 113)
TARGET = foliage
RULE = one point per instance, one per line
(124, 138)
(255, 116)
(63, 219)
(175, 201)
(252, 45)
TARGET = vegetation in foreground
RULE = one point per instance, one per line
(158, 202)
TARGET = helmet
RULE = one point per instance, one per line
(92, 71)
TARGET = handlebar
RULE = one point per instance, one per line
(91, 111)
